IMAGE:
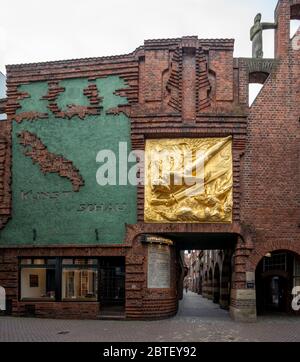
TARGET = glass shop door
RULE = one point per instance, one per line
(112, 282)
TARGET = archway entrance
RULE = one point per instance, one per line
(195, 250)
(276, 276)
(211, 297)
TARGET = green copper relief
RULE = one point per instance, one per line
(46, 209)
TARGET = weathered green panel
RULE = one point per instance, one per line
(34, 102)
(45, 209)
(73, 93)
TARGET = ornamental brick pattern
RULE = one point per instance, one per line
(49, 162)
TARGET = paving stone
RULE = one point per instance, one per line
(198, 320)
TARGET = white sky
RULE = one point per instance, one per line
(36, 30)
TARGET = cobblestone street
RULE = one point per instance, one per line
(198, 320)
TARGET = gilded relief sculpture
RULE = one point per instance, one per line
(189, 201)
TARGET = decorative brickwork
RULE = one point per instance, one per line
(73, 110)
(173, 85)
(49, 162)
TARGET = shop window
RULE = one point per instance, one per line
(275, 262)
(56, 279)
(79, 279)
(37, 279)
(39, 261)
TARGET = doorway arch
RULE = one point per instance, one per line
(277, 273)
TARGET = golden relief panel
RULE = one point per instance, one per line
(188, 180)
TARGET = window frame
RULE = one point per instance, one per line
(58, 266)
(270, 265)
(32, 267)
(85, 266)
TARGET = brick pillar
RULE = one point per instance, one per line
(225, 284)
(200, 285)
(216, 286)
(243, 295)
(204, 288)
(209, 287)
(282, 33)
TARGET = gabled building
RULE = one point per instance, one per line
(80, 241)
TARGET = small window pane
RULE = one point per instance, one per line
(276, 262)
(80, 261)
(92, 261)
(68, 261)
(37, 283)
(79, 284)
(51, 261)
(39, 261)
(297, 267)
(26, 261)
(297, 282)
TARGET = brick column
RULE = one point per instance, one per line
(216, 286)
(204, 288)
(243, 295)
(209, 287)
(282, 33)
(225, 281)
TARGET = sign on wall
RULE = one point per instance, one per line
(159, 266)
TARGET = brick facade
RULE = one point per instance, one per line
(186, 87)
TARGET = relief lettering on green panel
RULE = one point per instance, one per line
(55, 196)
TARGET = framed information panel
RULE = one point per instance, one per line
(158, 266)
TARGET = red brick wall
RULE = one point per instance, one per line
(271, 176)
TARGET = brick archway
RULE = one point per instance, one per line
(274, 283)
(261, 250)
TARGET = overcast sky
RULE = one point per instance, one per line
(36, 30)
